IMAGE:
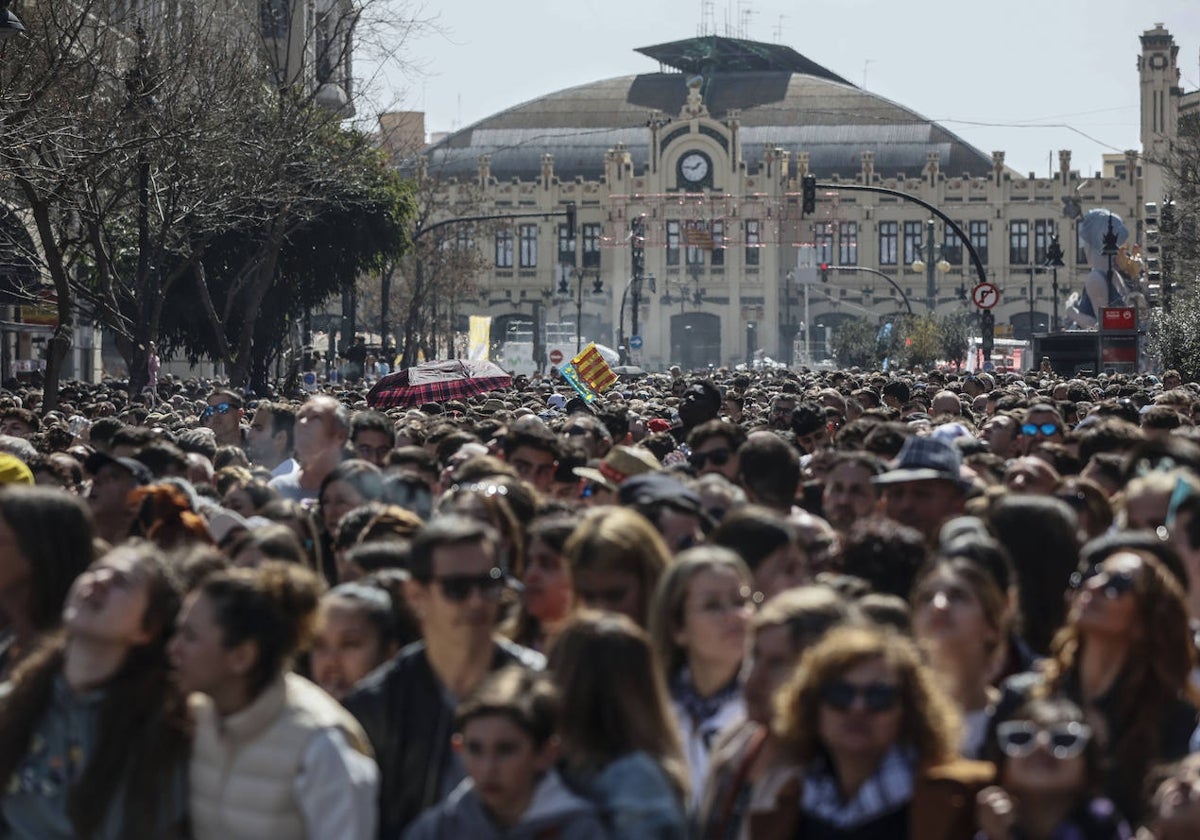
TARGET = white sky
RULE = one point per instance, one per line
(1025, 76)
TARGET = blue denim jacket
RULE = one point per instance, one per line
(637, 802)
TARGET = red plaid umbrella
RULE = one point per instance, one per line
(437, 382)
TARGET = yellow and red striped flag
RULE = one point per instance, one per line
(588, 373)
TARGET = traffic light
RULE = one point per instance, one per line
(637, 246)
(808, 186)
(824, 272)
(564, 288)
(570, 220)
(598, 286)
(987, 327)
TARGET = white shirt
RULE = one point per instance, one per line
(337, 789)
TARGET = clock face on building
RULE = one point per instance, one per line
(695, 168)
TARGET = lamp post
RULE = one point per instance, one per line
(787, 333)
(1033, 270)
(931, 265)
(564, 289)
(1054, 261)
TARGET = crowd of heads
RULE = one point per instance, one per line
(777, 588)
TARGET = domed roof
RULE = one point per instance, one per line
(784, 100)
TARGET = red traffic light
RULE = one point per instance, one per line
(824, 266)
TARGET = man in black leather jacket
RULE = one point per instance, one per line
(407, 706)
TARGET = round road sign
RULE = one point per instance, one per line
(556, 357)
(985, 295)
(636, 342)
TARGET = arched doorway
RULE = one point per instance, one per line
(695, 340)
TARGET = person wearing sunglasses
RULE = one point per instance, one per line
(407, 706)
(1042, 424)
(1124, 655)
(1048, 778)
(877, 743)
(714, 448)
(223, 415)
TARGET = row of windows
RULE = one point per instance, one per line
(690, 240)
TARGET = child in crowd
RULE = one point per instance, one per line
(504, 734)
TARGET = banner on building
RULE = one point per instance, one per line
(479, 337)
(589, 374)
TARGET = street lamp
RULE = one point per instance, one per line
(1054, 261)
(931, 265)
(564, 289)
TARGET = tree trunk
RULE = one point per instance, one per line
(264, 275)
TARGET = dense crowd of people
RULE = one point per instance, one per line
(844, 605)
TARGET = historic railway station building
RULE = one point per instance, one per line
(710, 153)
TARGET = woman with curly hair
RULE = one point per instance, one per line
(877, 743)
(1124, 656)
(93, 736)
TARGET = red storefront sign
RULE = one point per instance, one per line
(1118, 318)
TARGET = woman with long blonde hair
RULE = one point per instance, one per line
(616, 558)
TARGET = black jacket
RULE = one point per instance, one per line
(406, 714)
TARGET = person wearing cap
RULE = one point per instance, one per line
(924, 487)
(620, 463)
(14, 471)
(113, 481)
(674, 509)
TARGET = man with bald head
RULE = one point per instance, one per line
(945, 402)
(320, 434)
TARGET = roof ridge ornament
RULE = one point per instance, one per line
(694, 107)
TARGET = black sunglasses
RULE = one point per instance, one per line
(575, 431)
(1115, 584)
(876, 696)
(223, 408)
(458, 588)
(719, 457)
